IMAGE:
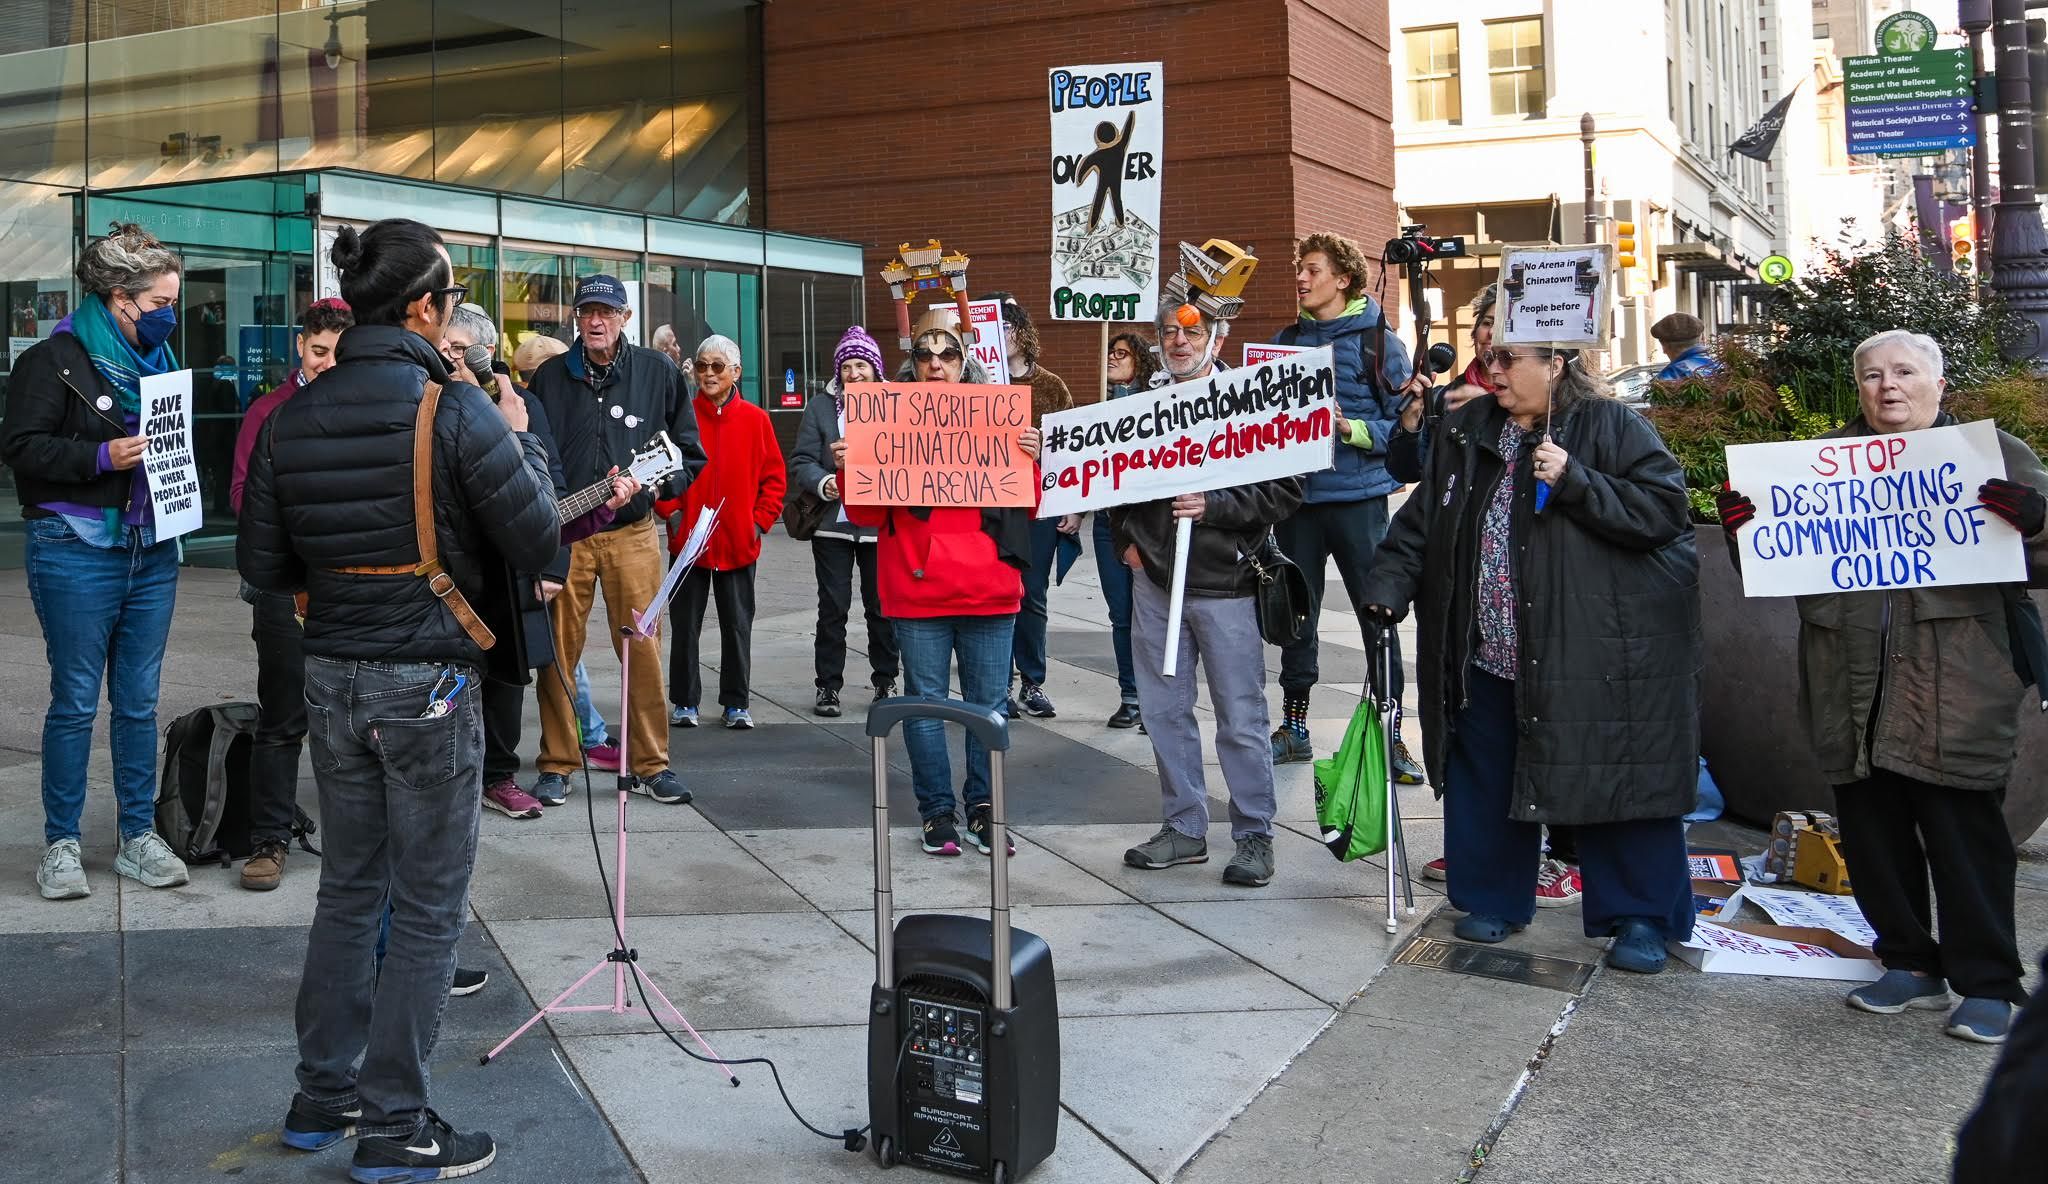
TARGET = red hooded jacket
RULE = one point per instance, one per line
(745, 472)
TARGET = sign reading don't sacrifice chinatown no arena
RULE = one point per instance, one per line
(937, 444)
(1873, 512)
(1255, 423)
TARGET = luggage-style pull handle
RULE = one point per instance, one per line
(993, 730)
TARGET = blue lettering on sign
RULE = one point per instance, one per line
(1877, 529)
(1108, 90)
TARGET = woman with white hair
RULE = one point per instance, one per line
(745, 481)
(1910, 701)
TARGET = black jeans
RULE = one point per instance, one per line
(834, 560)
(400, 792)
(281, 718)
(504, 708)
(734, 591)
(1350, 532)
(1896, 832)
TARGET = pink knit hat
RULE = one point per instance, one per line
(856, 343)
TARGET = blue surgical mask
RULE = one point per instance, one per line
(155, 327)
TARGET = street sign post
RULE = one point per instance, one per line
(1909, 104)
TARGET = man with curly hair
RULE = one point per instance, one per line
(1343, 511)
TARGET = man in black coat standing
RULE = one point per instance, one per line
(393, 682)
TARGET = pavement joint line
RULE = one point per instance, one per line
(1107, 1141)
(1223, 1124)
(1483, 1147)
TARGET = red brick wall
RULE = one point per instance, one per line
(889, 122)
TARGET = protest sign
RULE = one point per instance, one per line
(1854, 513)
(937, 444)
(1254, 354)
(985, 341)
(1108, 133)
(1817, 910)
(1777, 950)
(1254, 423)
(1555, 296)
(167, 457)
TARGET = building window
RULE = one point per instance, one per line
(1820, 29)
(1433, 74)
(1514, 67)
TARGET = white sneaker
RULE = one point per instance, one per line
(62, 875)
(149, 861)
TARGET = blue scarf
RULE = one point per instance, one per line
(118, 362)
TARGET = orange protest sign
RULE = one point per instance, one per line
(937, 444)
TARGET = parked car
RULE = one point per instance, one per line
(1632, 383)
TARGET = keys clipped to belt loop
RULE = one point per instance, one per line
(439, 703)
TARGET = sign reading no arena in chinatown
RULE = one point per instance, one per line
(1255, 423)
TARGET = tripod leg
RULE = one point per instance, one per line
(648, 979)
(549, 1006)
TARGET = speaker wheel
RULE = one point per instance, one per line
(885, 1151)
(1002, 1173)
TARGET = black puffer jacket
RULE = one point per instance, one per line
(1607, 693)
(330, 486)
(1234, 521)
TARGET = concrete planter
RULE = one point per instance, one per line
(1749, 713)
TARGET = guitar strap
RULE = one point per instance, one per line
(429, 568)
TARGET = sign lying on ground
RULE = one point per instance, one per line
(1254, 423)
(1775, 950)
(937, 444)
(1863, 512)
(1108, 137)
(167, 457)
(1555, 295)
(1909, 104)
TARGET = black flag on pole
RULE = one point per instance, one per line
(1759, 140)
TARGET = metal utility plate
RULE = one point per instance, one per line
(1535, 970)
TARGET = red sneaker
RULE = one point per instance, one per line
(513, 802)
(1436, 869)
(1557, 884)
(603, 756)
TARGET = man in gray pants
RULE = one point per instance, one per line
(1219, 631)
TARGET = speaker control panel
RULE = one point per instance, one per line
(947, 1051)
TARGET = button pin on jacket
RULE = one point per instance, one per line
(632, 421)
(617, 411)
(103, 403)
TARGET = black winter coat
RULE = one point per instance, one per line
(330, 486)
(1233, 523)
(1607, 696)
(54, 428)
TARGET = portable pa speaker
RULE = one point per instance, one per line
(963, 1023)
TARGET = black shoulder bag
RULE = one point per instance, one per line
(1280, 593)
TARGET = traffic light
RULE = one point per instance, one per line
(1625, 243)
(1962, 246)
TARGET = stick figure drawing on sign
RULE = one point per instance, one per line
(1107, 163)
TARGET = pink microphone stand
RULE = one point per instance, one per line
(646, 625)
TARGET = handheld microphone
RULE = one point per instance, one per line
(1441, 357)
(478, 359)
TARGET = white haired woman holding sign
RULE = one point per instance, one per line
(1910, 701)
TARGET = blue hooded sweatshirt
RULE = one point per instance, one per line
(1360, 469)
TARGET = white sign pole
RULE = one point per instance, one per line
(1183, 534)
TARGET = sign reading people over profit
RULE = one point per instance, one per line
(937, 444)
(1555, 296)
(167, 457)
(1863, 512)
(1254, 423)
(1108, 133)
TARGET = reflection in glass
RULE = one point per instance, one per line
(498, 93)
(536, 301)
(356, 86)
(35, 283)
(181, 91)
(42, 95)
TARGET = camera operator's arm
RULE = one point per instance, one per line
(1407, 447)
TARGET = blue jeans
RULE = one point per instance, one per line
(928, 645)
(400, 793)
(105, 613)
(588, 718)
(1028, 647)
(1115, 579)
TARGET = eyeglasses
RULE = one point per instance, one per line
(1120, 354)
(458, 291)
(1195, 333)
(922, 355)
(711, 367)
(1502, 358)
(598, 312)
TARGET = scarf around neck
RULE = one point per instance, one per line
(118, 362)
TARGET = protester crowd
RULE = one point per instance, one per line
(1545, 549)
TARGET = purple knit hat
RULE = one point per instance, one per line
(856, 343)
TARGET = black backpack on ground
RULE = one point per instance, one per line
(202, 800)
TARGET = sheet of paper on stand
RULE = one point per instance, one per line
(1774, 950)
(1813, 909)
(693, 546)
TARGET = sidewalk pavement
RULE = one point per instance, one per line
(1189, 1010)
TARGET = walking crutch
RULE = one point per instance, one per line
(1382, 692)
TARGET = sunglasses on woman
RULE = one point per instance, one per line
(922, 355)
(1502, 358)
(710, 367)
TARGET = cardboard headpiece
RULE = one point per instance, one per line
(924, 269)
(1210, 281)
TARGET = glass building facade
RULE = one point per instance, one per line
(545, 139)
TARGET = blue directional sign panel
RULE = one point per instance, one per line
(1914, 104)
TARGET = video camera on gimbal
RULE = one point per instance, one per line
(1416, 249)
(1413, 252)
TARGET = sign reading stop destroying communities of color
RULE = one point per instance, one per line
(937, 444)
(1873, 512)
(1555, 296)
(167, 461)
(1108, 137)
(1256, 352)
(1255, 423)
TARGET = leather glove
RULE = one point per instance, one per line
(2021, 505)
(1736, 510)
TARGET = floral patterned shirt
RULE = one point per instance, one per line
(1499, 644)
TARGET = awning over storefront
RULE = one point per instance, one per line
(1704, 258)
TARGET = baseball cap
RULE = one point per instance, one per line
(600, 289)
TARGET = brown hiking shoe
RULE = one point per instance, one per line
(262, 871)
